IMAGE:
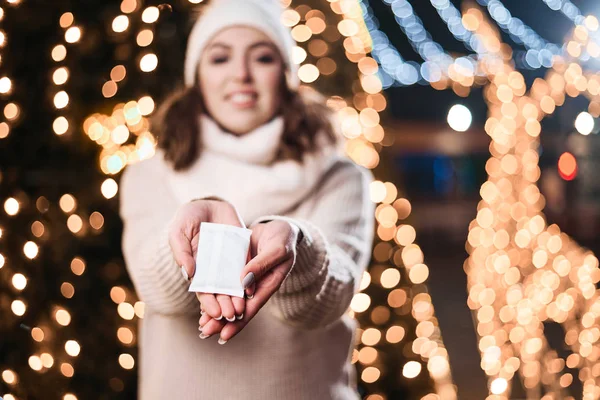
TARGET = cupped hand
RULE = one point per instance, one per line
(184, 234)
(273, 248)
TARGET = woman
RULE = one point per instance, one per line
(242, 146)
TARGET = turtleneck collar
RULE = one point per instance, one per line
(258, 146)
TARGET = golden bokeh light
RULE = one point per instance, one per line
(125, 335)
(96, 220)
(72, 348)
(126, 311)
(144, 38)
(67, 203)
(35, 363)
(118, 73)
(126, 361)
(109, 188)
(411, 369)
(19, 281)
(75, 223)
(67, 290)
(150, 15)
(30, 249)
(60, 76)
(59, 53)
(4, 130)
(78, 266)
(11, 206)
(120, 23)
(109, 89)
(118, 295)
(149, 62)
(73, 34)
(5, 85)
(37, 334)
(18, 307)
(67, 370)
(61, 99)
(10, 377)
(11, 111)
(60, 126)
(62, 317)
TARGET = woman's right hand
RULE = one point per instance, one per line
(184, 234)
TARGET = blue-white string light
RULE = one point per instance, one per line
(573, 13)
(453, 20)
(417, 35)
(395, 71)
(566, 7)
(540, 53)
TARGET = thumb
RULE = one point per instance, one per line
(182, 253)
(262, 263)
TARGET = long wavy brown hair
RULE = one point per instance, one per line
(304, 111)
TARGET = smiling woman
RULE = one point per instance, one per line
(243, 145)
(242, 81)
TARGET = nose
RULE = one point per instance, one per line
(241, 69)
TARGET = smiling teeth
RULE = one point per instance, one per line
(242, 98)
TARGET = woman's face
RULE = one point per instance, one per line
(240, 75)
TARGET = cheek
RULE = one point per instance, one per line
(269, 82)
(210, 82)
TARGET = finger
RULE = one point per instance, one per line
(204, 320)
(182, 252)
(263, 262)
(239, 305)
(224, 212)
(265, 288)
(226, 307)
(210, 304)
(212, 327)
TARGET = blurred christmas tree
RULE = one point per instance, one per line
(77, 81)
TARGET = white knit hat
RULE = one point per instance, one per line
(264, 15)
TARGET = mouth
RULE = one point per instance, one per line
(242, 99)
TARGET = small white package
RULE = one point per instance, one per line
(222, 254)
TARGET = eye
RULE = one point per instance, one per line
(218, 59)
(266, 59)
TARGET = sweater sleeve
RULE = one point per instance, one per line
(335, 251)
(147, 210)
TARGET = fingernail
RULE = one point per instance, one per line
(221, 341)
(230, 320)
(240, 316)
(200, 328)
(184, 273)
(248, 280)
(202, 312)
(250, 296)
(203, 336)
(220, 317)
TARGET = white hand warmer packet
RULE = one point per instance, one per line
(222, 254)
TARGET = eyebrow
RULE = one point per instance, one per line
(252, 46)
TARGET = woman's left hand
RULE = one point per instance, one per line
(273, 246)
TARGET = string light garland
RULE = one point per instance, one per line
(522, 272)
(10, 110)
(12, 206)
(359, 125)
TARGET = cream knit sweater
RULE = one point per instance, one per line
(299, 345)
